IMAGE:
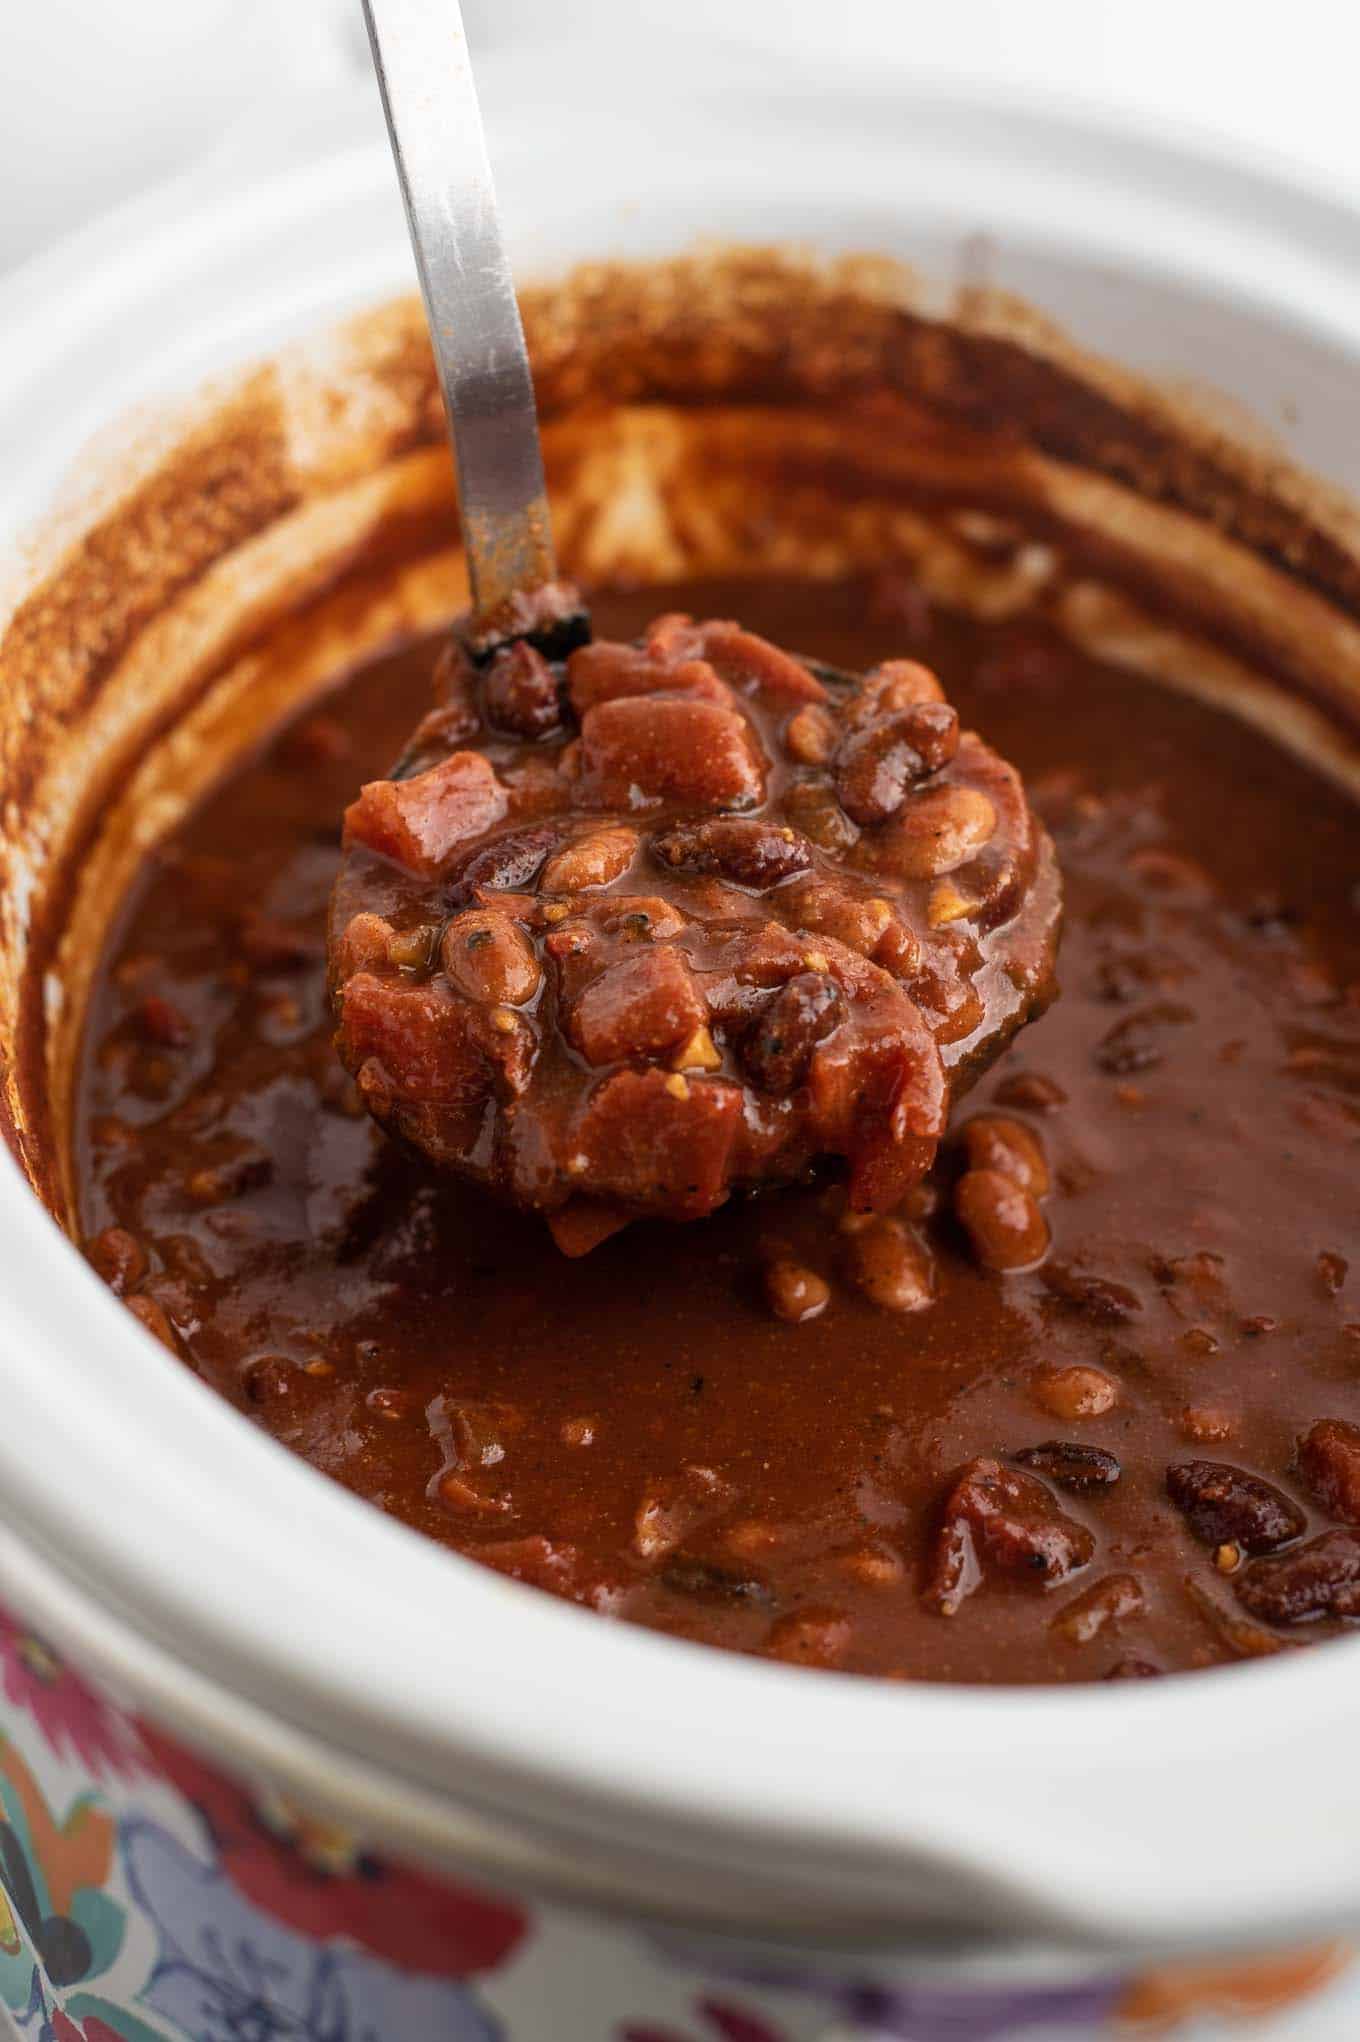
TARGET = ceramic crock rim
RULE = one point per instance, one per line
(794, 1767)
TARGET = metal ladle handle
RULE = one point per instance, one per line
(420, 54)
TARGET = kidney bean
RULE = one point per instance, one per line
(1320, 1579)
(878, 762)
(421, 823)
(507, 865)
(1224, 1505)
(1002, 1220)
(1095, 1297)
(1107, 1602)
(811, 1638)
(489, 957)
(746, 852)
(1032, 1091)
(1137, 1042)
(795, 1293)
(1076, 1391)
(521, 692)
(594, 860)
(1329, 1462)
(997, 1519)
(778, 1048)
(992, 1142)
(1072, 1465)
(119, 1258)
(891, 1265)
(810, 737)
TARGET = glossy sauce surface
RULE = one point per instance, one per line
(638, 1428)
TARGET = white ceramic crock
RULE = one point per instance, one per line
(829, 1839)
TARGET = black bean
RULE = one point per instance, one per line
(1071, 1464)
(509, 863)
(880, 762)
(746, 851)
(1095, 1297)
(779, 1047)
(711, 1582)
(1225, 1506)
(1321, 1579)
(1136, 1043)
(521, 692)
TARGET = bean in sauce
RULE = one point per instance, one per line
(763, 1430)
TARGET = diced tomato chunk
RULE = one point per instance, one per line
(421, 1036)
(420, 823)
(644, 749)
(641, 1007)
(640, 1140)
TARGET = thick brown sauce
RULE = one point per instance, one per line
(329, 1286)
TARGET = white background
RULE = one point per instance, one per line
(100, 98)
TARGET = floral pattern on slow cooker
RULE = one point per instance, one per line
(75, 1721)
(60, 1926)
(226, 1971)
(145, 1898)
(316, 1879)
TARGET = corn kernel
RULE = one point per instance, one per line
(700, 1053)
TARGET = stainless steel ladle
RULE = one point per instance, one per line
(424, 70)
